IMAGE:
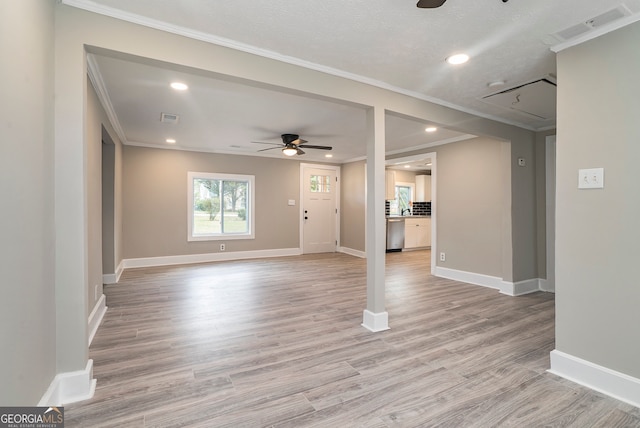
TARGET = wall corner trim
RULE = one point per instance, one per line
(375, 322)
(95, 317)
(113, 278)
(521, 287)
(602, 379)
(70, 387)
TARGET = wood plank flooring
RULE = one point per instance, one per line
(278, 343)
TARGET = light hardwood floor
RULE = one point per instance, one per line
(278, 343)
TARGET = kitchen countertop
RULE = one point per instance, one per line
(408, 216)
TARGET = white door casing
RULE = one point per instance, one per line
(319, 208)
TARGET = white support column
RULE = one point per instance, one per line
(375, 318)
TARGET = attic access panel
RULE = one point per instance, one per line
(535, 99)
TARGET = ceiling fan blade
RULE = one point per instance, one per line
(430, 4)
(270, 148)
(261, 142)
(310, 146)
(299, 141)
(300, 151)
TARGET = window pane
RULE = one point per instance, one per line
(234, 214)
(402, 200)
(206, 206)
(403, 195)
(320, 184)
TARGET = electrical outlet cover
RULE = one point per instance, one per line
(592, 178)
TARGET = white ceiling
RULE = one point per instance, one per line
(389, 43)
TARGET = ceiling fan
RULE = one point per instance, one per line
(291, 145)
(432, 4)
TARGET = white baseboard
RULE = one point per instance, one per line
(352, 252)
(95, 317)
(610, 382)
(505, 287)
(470, 277)
(208, 257)
(375, 321)
(113, 278)
(70, 387)
(521, 287)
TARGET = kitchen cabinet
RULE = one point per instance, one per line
(390, 182)
(417, 232)
(423, 188)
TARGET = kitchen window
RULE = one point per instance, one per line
(220, 206)
(404, 195)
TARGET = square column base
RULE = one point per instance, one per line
(375, 321)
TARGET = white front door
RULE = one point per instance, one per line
(319, 210)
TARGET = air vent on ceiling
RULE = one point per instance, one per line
(535, 99)
(169, 118)
(593, 23)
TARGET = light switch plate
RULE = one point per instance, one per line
(292, 202)
(592, 178)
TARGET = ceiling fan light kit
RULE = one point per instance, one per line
(290, 151)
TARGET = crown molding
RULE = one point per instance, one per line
(101, 89)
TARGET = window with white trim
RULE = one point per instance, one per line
(220, 206)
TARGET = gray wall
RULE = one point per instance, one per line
(469, 205)
(597, 292)
(353, 206)
(27, 310)
(155, 201)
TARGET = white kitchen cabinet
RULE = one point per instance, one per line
(390, 189)
(423, 188)
(417, 232)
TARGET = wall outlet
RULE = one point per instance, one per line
(443, 257)
(222, 247)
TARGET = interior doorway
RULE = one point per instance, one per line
(431, 159)
(319, 208)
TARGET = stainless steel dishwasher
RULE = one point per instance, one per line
(395, 234)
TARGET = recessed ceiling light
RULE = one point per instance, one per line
(170, 140)
(179, 86)
(431, 129)
(407, 166)
(458, 59)
(328, 156)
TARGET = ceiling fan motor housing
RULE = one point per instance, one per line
(289, 138)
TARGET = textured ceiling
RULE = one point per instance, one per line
(392, 44)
